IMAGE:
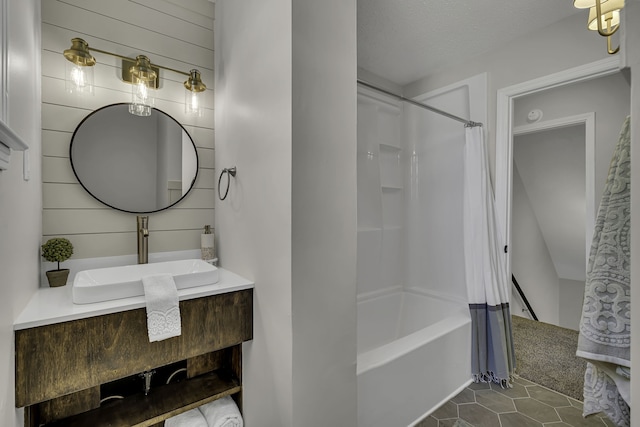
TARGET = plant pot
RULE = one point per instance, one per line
(58, 277)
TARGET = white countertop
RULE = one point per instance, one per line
(54, 305)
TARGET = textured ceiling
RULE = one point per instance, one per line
(405, 40)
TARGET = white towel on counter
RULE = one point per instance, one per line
(222, 413)
(192, 418)
(163, 311)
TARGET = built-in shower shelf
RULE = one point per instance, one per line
(368, 229)
(390, 188)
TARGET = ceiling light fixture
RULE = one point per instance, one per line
(139, 72)
(604, 17)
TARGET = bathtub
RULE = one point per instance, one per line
(414, 353)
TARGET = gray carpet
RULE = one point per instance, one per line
(545, 354)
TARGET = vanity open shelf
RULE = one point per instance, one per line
(164, 402)
(61, 367)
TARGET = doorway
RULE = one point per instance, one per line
(595, 96)
(552, 216)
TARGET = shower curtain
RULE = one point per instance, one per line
(605, 327)
(492, 356)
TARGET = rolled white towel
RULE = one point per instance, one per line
(192, 418)
(222, 413)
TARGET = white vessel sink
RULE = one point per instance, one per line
(104, 284)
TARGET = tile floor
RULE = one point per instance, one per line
(525, 405)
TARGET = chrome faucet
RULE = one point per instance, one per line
(143, 237)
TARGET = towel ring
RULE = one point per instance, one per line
(230, 172)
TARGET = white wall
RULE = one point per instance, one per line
(324, 220)
(558, 47)
(571, 300)
(552, 167)
(608, 97)
(20, 201)
(177, 37)
(533, 266)
(294, 191)
(254, 133)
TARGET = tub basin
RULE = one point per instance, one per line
(104, 284)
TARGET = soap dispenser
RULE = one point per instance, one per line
(207, 245)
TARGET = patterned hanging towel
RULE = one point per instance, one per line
(492, 354)
(605, 327)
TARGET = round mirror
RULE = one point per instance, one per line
(131, 163)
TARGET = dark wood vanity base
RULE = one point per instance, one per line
(60, 367)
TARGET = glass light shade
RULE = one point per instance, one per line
(79, 79)
(193, 102)
(609, 10)
(194, 94)
(586, 4)
(142, 98)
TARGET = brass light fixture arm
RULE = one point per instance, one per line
(609, 50)
(110, 53)
(162, 67)
(193, 83)
(610, 31)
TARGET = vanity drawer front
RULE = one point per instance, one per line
(59, 359)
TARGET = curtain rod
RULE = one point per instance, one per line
(468, 123)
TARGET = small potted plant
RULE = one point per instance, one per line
(57, 250)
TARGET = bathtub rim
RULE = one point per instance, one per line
(382, 355)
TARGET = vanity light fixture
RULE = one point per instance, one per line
(139, 72)
(604, 17)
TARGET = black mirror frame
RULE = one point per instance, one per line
(195, 150)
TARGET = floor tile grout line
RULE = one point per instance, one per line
(553, 391)
(572, 403)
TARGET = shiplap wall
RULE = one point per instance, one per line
(176, 34)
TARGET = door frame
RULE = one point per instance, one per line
(505, 128)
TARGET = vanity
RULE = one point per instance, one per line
(82, 353)
(85, 364)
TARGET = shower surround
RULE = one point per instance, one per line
(414, 328)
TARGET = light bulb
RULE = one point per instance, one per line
(192, 103)
(194, 91)
(142, 99)
(79, 79)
